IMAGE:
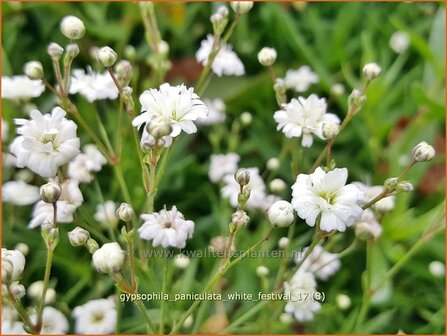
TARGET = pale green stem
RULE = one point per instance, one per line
(164, 289)
(366, 290)
(57, 72)
(19, 308)
(244, 317)
(283, 264)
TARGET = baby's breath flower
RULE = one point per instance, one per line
(423, 152)
(109, 258)
(33, 70)
(301, 79)
(106, 214)
(371, 70)
(280, 214)
(50, 192)
(241, 7)
(262, 271)
(368, 227)
(19, 193)
(72, 27)
(78, 236)
(221, 165)
(301, 289)
(53, 321)
(86, 163)
(181, 261)
(35, 292)
(21, 88)
(216, 112)
(107, 56)
(267, 56)
(92, 85)
(96, 317)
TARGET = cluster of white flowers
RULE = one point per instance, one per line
(300, 79)
(226, 63)
(53, 322)
(92, 85)
(303, 117)
(368, 227)
(258, 200)
(71, 198)
(106, 214)
(166, 228)
(321, 263)
(89, 161)
(216, 112)
(21, 88)
(45, 142)
(19, 193)
(222, 165)
(96, 317)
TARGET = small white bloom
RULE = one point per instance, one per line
(55, 51)
(267, 56)
(10, 327)
(78, 236)
(301, 291)
(33, 70)
(273, 164)
(53, 321)
(371, 70)
(221, 165)
(71, 198)
(241, 7)
(321, 263)
(326, 194)
(437, 269)
(13, 263)
(246, 118)
(181, 261)
(384, 205)
(72, 27)
(125, 212)
(50, 192)
(166, 228)
(300, 79)
(283, 242)
(45, 142)
(262, 271)
(106, 214)
(216, 112)
(368, 227)
(226, 62)
(92, 85)
(343, 301)
(109, 258)
(280, 214)
(21, 88)
(89, 161)
(285, 318)
(19, 193)
(330, 131)
(423, 152)
(277, 185)
(178, 104)
(23, 248)
(399, 42)
(304, 117)
(107, 56)
(96, 317)
(35, 292)
(338, 89)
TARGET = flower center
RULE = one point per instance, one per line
(97, 318)
(168, 225)
(49, 136)
(328, 197)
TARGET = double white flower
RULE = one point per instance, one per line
(92, 85)
(96, 317)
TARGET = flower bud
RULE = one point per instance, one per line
(55, 51)
(356, 98)
(286, 318)
(50, 192)
(241, 7)
(262, 271)
(219, 22)
(242, 176)
(343, 301)
(92, 245)
(33, 70)
(72, 27)
(337, 89)
(405, 186)
(159, 127)
(437, 269)
(368, 228)
(23, 248)
(246, 118)
(107, 56)
(125, 212)
(371, 70)
(243, 196)
(130, 52)
(50, 235)
(18, 290)
(283, 243)
(280, 91)
(13, 263)
(72, 50)
(330, 131)
(239, 220)
(267, 56)
(280, 214)
(423, 152)
(123, 70)
(35, 292)
(163, 47)
(181, 261)
(219, 243)
(78, 236)
(273, 164)
(188, 322)
(277, 185)
(109, 258)
(391, 183)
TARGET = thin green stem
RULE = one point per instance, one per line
(19, 308)
(143, 311)
(366, 288)
(244, 317)
(284, 261)
(164, 289)
(46, 281)
(57, 72)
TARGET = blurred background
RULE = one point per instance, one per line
(406, 105)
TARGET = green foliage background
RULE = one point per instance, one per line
(335, 40)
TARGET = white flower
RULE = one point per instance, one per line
(181, 261)
(21, 88)
(371, 70)
(72, 27)
(338, 89)
(241, 7)
(45, 142)
(221, 165)
(280, 214)
(262, 271)
(13, 263)
(35, 292)
(326, 195)
(177, 103)
(301, 79)
(301, 303)
(67, 204)
(277, 185)
(53, 321)
(283, 243)
(399, 42)
(267, 56)
(10, 327)
(423, 152)
(96, 317)
(83, 165)
(384, 205)
(78, 236)
(368, 227)
(273, 164)
(321, 263)
(302, 117)
(226, 62)
(216, 112)
(5, 128)
(92, 85)
(109, 258)
(343, 301)
(106, 214)
(437, 268)
(166, 228)
(19, 193)
(107, 56)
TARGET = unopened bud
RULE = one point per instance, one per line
(72, 50)
(262, 271)
(78, 236)
(109, 258)
(125, 212)
(219, 23)
(130, 52)
(280, 214)
(55, 51)
(219, 243)
(356, 98)
(92, 245)
(181, 261)
(391, 183)
(267, 56)
(280, 91)
(437, 269)
(50, 192)
(35, 292)
(286, 318)
(277, 185)
(246, 118)
(405, 186)
(330, 131)
(273, 164)
(7, 271)
(423, 152)
(241, 7)
(343, 301)
(33, 70)
(123, 71)
(242, 176)
(107, 56)
(23, 248)
(50, 235)
(371, 70)
(239, 220)
(159, 127)
(163, 47)
(72, 27)
(283, 243)
(18, 290)
(337, 89)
